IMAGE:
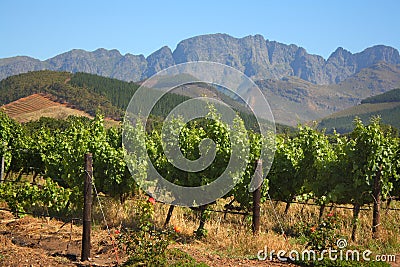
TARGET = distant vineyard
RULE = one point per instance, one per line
(28, 104)
(36, 106)
(86, 92)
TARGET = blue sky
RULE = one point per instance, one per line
(43, 29)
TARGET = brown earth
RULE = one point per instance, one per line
(48, 242)
(39, 105)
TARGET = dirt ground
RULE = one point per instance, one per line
(33, 242)
(43, 242)
(48, 242)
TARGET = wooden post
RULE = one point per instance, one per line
(2, 169)
(87, 207)
(376, 218)
(257, 198)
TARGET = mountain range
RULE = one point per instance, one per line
(257, 57)
(294, 100)
(300, 86)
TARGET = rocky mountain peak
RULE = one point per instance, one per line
(254, 55)
(375, 54)
(159, 60)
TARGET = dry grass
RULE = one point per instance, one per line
(231, 236)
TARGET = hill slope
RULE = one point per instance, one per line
(386, 105)
(294, 100)
(86, 92)
(58, 85)
(254, 55)
(35, 94)
(388, 97)
(36, 106)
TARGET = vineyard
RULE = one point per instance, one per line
(28, 104)
(311, 173)
(39, 105)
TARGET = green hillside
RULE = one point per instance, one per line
(56, 84)
(118, 92)
(386, 105)
(92, 93)
(87, 92)
(390, 96)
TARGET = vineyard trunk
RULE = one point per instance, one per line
(35, 175)
(169, 215)
(2, 169)
(356, 212)
(376, 218)
(321, 211)
(201, 232)
(287, 207)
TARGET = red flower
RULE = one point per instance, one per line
(313, 229)
(330, 214)
(177, 229)
(117, 232)
(152, 200)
